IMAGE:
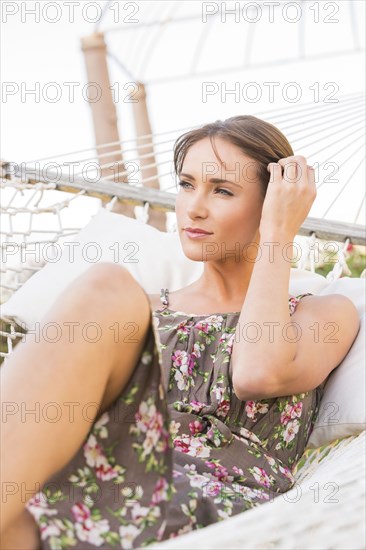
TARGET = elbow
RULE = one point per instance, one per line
(254, 388)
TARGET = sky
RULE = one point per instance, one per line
(319, 46)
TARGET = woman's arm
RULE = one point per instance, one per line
(261, 347)
(272, 354)
(260, 353)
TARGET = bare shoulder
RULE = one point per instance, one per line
(336, 309)
(155, 301)
(334, 301)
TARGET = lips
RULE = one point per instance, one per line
(198, 231)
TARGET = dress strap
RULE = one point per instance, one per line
(164, 296)
(299, 296)
(294, 301)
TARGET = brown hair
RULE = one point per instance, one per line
(258, 139)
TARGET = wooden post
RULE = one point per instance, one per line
(104, 113)
(143, 127)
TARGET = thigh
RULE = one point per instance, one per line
(22, 533)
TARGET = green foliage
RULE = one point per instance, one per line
(355, 258)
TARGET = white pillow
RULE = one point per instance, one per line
(342, 409)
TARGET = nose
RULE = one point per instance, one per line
(197, 205)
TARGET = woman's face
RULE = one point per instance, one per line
(230, 211)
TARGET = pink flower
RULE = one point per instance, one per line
(287, 473)
(197, 406)
(80, 511)
(223, 407)
(196, 427)
(95, 458)
(250, 408)
(160, 491)
(290, 412)
(261, 476)
(203, 326)
(179, 358)
(220, 472)
(194, 446)
(213, 321)
(254, 407)
(105, 472)
(38, 506)
(227, 340)
(291, 430)
(181, 445)
(213, 488)
(183, 328)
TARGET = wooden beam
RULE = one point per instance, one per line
(104, 113)
(329, 230)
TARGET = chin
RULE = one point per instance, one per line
(193, 251)
(192, 255)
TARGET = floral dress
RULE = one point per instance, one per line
(177, 450)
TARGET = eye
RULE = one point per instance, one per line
(183, 183)
(227, 193)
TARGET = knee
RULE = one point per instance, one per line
(113, 284)
(106, 275)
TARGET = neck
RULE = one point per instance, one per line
(225, 282)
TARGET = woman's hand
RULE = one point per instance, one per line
(289, 196)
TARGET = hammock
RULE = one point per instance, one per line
(37, 204)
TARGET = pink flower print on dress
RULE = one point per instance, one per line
(194, 446)
(38, 506)
(226, 341)
(291, 411)
(86, 529)
(213, 488)
(220, 472)
(213, 322)
(254, 407)
(184, 328)
(261, 476)
(95, 458)
(250, 435)
(197, 406)
(291, 430)
(196, 427)
(160, 491)
(287, 473)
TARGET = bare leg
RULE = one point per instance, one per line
(41, 431)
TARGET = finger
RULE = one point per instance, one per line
(295, 170)
(311, 178)
(289, 169)
(275, 171)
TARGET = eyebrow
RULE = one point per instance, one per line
(214, 181)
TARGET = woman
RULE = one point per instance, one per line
(204, 406)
